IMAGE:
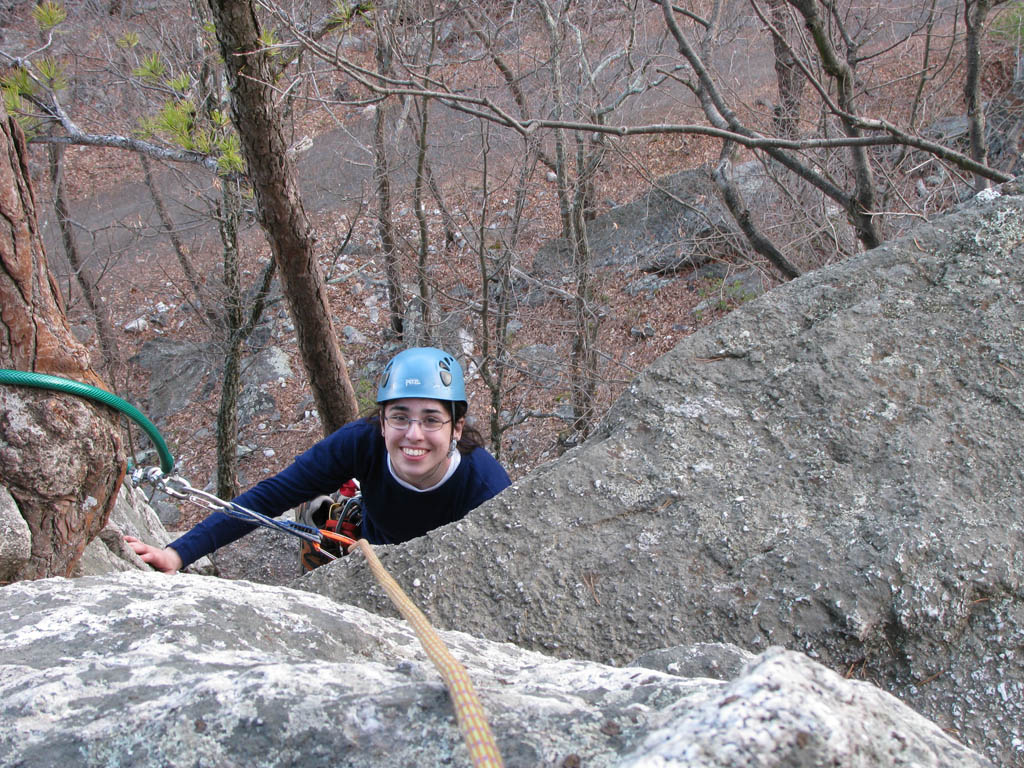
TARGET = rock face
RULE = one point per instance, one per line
(15, 537)
(143, 669)
(678, 225)
(131, 516)
(177, 369)
(835, 468)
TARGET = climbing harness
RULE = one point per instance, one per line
(341, 512)
(469, 712)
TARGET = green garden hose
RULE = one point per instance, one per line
(72, 387)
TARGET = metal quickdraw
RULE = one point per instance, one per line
(179, 488)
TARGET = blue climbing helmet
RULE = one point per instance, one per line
(422, 372)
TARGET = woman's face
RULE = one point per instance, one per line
(419, 456)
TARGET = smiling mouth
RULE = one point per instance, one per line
(414, 452)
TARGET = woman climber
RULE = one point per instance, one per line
(419, 465)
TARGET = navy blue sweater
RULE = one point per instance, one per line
(391, 512)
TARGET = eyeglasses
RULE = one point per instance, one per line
(401, 422)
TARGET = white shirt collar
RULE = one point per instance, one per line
(453, 464)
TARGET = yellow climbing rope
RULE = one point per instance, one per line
(476, 731)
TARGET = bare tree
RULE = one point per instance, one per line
(280, 211)
(87, 282)
(384, 54)
(498, 297)
(975, 16)
(791, 82)
(239, 327)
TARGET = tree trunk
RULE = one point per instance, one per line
(100, 316)
(572, 203)
(61, 456)
(422, 265)
(385, 223)
(722, 176)
(788, 76)
(861, 208)
(583, 359)
(227, 413)
(975, 15)
(279, 206)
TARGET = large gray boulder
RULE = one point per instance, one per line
(131, 516)
(678, 225)
(15, 537)
(835, 468)
(139, 669)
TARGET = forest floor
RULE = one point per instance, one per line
(149, 287)
(138, 276)
(132, 262)
(151, 290)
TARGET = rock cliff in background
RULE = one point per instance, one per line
(835, 468)
(140, 669)
(678, 225)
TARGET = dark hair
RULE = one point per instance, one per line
(470, 438)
